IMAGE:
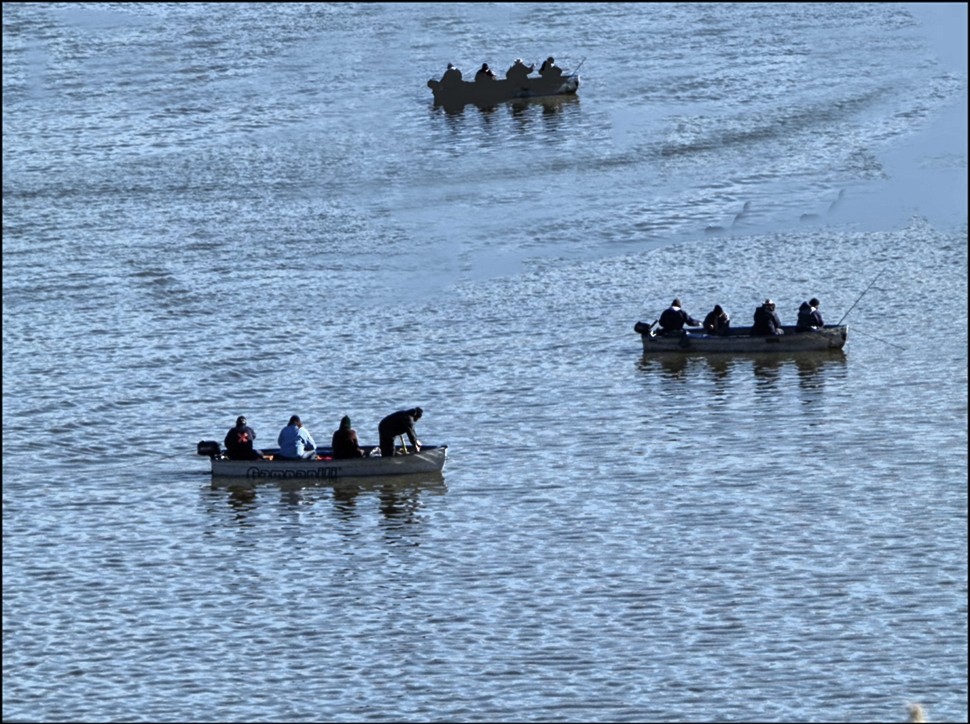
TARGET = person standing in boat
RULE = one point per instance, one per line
(296, 442)
(239, 441)
(549, 69)
(399, 423)
(808, 316)
(717, 321)
(484, 74)
(344, 443)
(452, 76)
(674, 318)
(518, 72)
(766, 321)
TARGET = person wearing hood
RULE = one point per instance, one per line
(766, 321)
(344, 443)
(484, 74)
(674, 318)
(549, 69)
(808, 316)
(717, 321)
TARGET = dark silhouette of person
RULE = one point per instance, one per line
(717, 321)
(808, 316)
(674, 318)
(452, 76)
(484, 74)
(399, 423)
(766, 321)
(239, 441)
(518, 72)
(549, 69)
(344, 443)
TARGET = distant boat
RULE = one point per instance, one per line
(490, 93)
(740, 340)
(430, 459)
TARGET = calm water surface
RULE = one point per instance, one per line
(222, 209)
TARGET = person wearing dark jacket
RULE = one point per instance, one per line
(518, 72)
(239, 442)
(766, 321)
(398, 423)
(452, 76)
(808, 316)
(674, 318)
(484, 74)
(549, 69)
(717, 321)
(344, 443)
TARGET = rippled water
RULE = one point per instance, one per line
(213, 210)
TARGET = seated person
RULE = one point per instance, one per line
(674, 318)
(717, 321)
(452, 75)
(808, 316)
(296, 442)
(519, 71)
(766, 321)
(239, 442)
(484, 74)
(344, 443)
(550, 70)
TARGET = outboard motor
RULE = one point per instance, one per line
(209, 448)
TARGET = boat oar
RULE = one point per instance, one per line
(860, 298)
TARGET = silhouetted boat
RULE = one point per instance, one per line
(490, 93)
(740, 340)
(430, 459)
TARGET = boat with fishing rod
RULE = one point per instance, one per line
(407, 461)
(456, 93)
(740, 340)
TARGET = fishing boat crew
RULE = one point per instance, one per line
(766, 321)
(484, 74)
(452, 76)
(674, 318)
(717, 321)
(344, 441)
(296, 442)
(399, 423)
(808, 316)
(519, 71)
(549, 69)
(239, 441)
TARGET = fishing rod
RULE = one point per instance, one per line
(576, 69)
(885, 341)
(860, 297)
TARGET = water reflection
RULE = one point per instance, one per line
(672, 366)
(399, 498)
(243, 503)
(548, 108)
(813, 369)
